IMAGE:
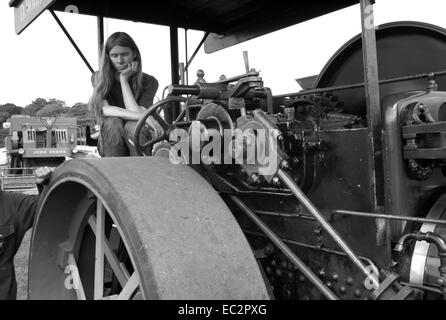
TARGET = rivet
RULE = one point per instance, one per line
(329, 284)
(322, 273)
(291, 275)
(279, 272)
(285, 164)
(274, 263)
(335, 277)
(284, 265)
(268, 270)
(350, 281)
(358, 293)
(343, 290)
(302, 279)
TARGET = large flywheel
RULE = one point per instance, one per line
(138, 228)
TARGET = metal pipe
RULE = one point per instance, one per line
(429, 237)
(388, 217)
(306, 203)
(181, 116)
(307, 246)
(425, 288)
(373, 101)
(285, 215)
(101, 37)
(186, 52)
(361, 85)
(174, 111)
(206, 35)
(286, 251)
(436, 240)
(246, 60)
(174, 59)
(71, 40)
(182, 74)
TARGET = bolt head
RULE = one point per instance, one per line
(350, 281)
(285, 164)
(255, 178)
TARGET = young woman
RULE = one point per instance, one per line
(122, 93)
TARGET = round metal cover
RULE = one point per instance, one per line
(403, 48)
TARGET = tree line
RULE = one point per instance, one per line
(45, 108)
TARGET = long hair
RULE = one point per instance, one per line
(103, 80)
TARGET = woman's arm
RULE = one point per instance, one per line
(129, 99)
(111, 111)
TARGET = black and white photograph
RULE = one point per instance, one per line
(223, 155)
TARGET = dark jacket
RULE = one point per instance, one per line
(17, 213)
(145, 99)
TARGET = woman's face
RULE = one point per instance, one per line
(121, 57)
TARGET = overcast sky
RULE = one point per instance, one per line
(42, 63)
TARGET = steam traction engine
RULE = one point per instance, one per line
(305, 228)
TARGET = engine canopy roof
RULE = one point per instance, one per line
(234, 21)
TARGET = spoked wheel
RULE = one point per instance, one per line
(146, 148)
(137, 228)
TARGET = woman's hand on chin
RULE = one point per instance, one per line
(131, 69)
